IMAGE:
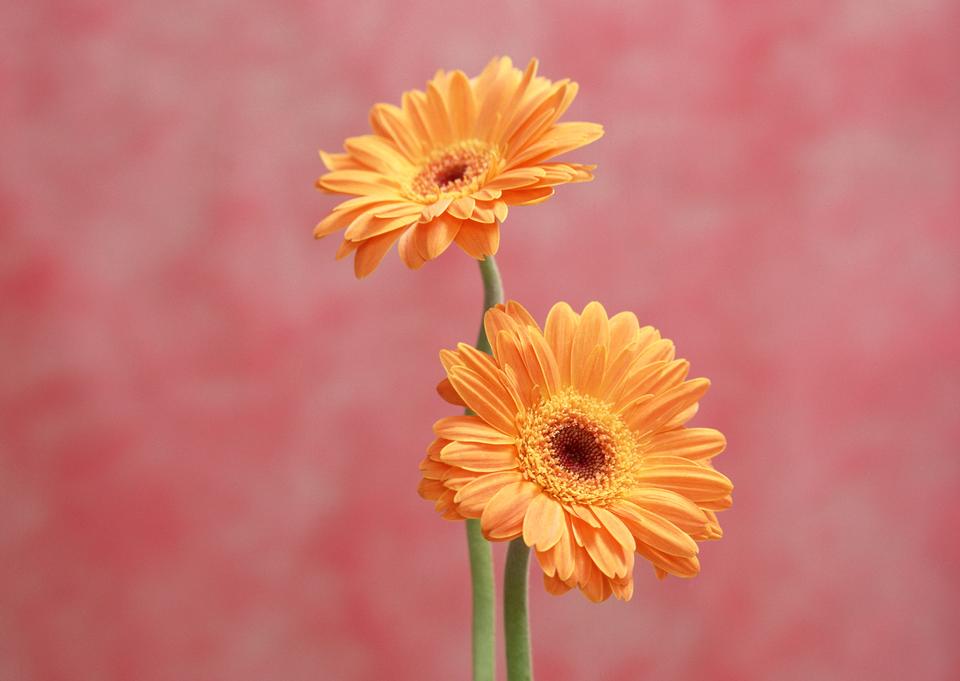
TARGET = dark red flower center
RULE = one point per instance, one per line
(578, 450)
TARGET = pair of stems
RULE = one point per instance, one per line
(515, 617)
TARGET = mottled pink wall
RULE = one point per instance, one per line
(209, 431)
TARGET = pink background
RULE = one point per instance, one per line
(210, 431)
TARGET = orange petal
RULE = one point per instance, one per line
(527, 197)
(540, 362)
(408, 250)
(437, 116)
(624, 329)
(652, 379)
(440, 234)
(435, 209)
(348, 211)
(561, 138)
(462, 208)
(484, 399)
(496, 319)
(509, 354)
(519, 313)
(622, 588)
(597, 588)
(414, 105)
(483, 213)
(473, 497)
(615, 527)
(368, 225)
(554, 586)
(696, 444)
(470, 429)
(378, 153)
(478, 239)
(503, 515)
(490, 372)
(545, 558)
(371, 252)
(461, 105)
(480, 456)
(446, 391)
(339, 161)
(356, 182)
(612, 557)
(430, 489)
(588, 377)
(592, 331)
(563, 552)
(672, 506)
(543, 524)
(694, 481)
(394, 124)
(656, 412)
(656, 531)
(559, 331)
(516, 179)
(678, 566)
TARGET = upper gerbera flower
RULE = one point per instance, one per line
(579, 445)
(447, 163)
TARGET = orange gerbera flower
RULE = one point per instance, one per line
(579, 445)
(445, 165)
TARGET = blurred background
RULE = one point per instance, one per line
(209, 430)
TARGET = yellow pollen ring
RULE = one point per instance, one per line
(456, 170)
(577, 449)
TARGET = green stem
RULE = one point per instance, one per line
(481, 555)
(516, 623)
(484, 613)
(492, 294)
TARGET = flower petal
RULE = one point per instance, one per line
(483, 399)
(673, 507)
(477, 239)
(697, 444)
(694, 481)
(461, 105)
(479, 456)
(503, 515)
(446, 390)
(656, 531)
(473, 497)
(678, 566)
(610, 556)
(543, 524)
(440, 234)
(371, 252)
(559, 331)
(470, 429)
(656, 412)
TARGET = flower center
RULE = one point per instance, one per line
(577, 449)
(454, 170)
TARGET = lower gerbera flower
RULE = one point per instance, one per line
(578, 445)
(445, 166)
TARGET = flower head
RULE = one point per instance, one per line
(580, 446)
(445, 165)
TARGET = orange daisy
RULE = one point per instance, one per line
(578, 445)
(445, 165)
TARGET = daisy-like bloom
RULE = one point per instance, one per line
(445, 165)
(579, 445)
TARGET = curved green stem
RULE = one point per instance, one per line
(481, 555)
(516, 623)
